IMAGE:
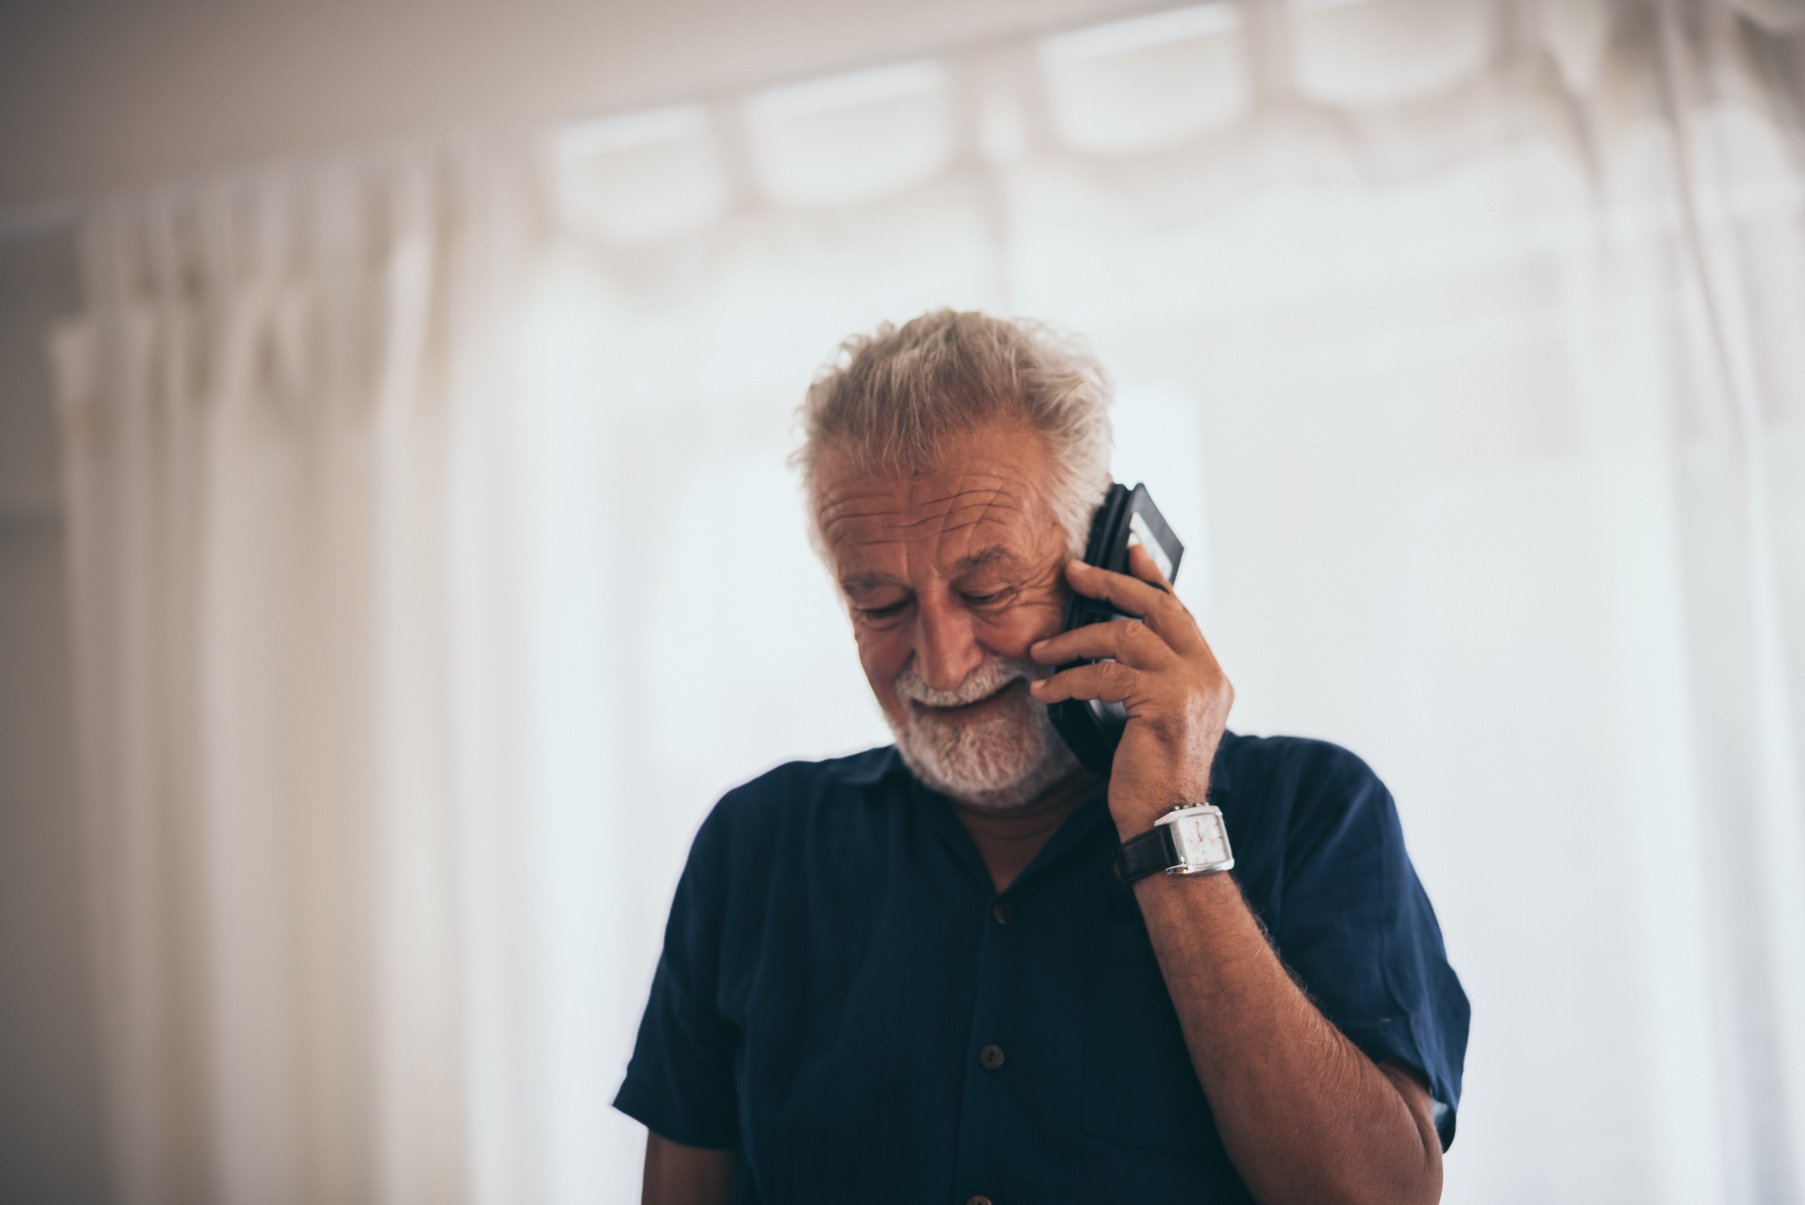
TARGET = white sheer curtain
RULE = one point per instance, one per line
(437, 565)
(289, 422)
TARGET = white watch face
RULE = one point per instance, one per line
(1200, 837)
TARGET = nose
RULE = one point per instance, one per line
(946, 648)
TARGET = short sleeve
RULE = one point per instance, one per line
(1358, 930)
(680, 1080)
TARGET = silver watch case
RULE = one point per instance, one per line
(1201, 839)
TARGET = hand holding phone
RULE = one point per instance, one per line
(1143, 702)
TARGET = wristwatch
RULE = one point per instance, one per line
(1189, 839)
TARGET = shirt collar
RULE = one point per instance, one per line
(874, 765)
(1222, 769)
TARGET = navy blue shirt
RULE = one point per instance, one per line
(846, 1000)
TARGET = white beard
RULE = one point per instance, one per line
(995, 762)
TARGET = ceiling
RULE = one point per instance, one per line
(115, 93)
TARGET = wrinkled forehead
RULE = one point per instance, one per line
(878, 511)
(902, 524)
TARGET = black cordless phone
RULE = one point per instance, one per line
(1092, 727)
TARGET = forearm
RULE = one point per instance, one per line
(1302, 1112)
(685, 1175)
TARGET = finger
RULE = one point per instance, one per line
(1129, 595)
(1142, 564)
(1189, 636)
(1123, 640)
(1110, 681)
(1159, 609)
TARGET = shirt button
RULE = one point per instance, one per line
(1004, 911)
(990, 1057)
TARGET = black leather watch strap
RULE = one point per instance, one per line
(1151, 852)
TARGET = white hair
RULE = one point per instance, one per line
(889, 398)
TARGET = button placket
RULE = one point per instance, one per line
(985, 1094)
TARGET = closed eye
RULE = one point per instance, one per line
(883, 612)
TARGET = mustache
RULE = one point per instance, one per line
(986, 680)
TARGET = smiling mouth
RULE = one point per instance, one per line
(976, 705)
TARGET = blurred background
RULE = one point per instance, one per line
(397, 556)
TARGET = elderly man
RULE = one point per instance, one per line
(920, 974)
